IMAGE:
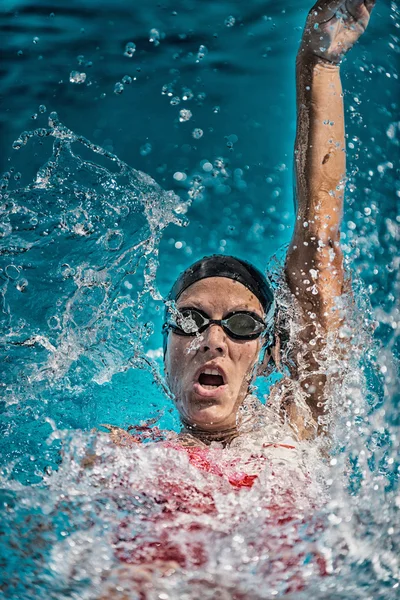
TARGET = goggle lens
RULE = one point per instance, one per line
(240, 325)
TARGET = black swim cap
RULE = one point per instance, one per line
(221, 265)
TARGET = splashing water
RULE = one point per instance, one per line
(85, 518)
(265, 518)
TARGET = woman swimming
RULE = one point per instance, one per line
(229, 305)
(221, 316)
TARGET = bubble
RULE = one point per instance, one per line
(175, 101)
(130, 49)
(127, 80)
(202, 52)
(184, 115)
(145, 149)
(216, 109)
(42, 109)
(35, 39)
(76, 77)
(230, 21)
(197, 133)
(118, 88)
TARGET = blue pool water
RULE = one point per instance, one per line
(89, 245)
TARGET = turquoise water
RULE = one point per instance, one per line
(89, 248)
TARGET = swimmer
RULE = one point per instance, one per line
(223, 313)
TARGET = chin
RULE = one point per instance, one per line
(211, 418)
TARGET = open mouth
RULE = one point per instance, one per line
(210, 379)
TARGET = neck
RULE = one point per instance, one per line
(224, 436)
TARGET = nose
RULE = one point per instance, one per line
(214, 340)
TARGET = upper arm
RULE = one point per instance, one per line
(314, 272)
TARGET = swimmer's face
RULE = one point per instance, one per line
(212, 407)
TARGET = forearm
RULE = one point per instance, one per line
(320, 159)
(314, 267)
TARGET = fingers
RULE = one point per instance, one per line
(326, 8)
(359, 11)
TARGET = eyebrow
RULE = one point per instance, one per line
(234, 309)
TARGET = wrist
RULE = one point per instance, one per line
(307, 58)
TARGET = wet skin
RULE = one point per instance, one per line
(203, 406)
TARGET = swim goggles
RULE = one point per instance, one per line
(241, 325)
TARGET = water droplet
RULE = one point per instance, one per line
(393, 132)
(145, 149)
(53, 322)
(167, 89)
(203, 51)
(12, 272)
(207, 167)
(154, 36)
(114, 239)
(187, 94)
(76, 77)
(184, 115)
(118, 88)
(21, 285)
(178, 176)
(53, 119)
(130, 49)
(230, 21)
(197, 133)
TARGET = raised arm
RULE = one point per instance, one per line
(314, 267)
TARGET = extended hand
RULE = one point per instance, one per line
(333, 27)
